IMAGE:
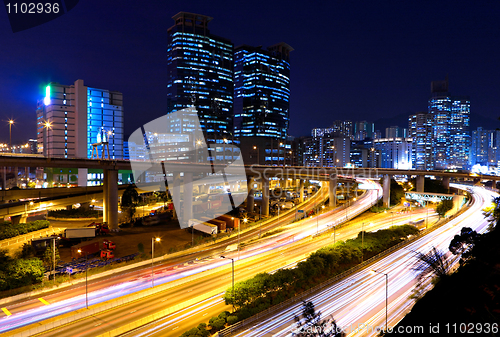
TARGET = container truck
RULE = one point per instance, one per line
(86, 248)
(79, 233)
(202, 226)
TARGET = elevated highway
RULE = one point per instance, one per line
(255, 172)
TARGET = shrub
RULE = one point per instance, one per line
(216, 323)
(232, 319)
(8, 230)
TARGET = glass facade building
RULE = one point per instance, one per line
(70, 118)
(485, 148)
(200, 74)
(262, 91)
(420, 131)
(450, 128)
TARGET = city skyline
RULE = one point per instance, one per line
(400, 57)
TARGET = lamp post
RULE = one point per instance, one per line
(53, 257)
(47, 126)
(152, 258)
(10, 134)
(362, 240)
(86, 279)
(232, 267)
(245, 220)
(258, 154)
(386, 293)
(198, 143)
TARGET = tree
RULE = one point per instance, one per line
(311, 324)
(433, 262)
(48, 256)
(25, 272)
(397, 192)
(493, 212)
(130, 199)
(444, 206)
(26, 252)
(462, 244)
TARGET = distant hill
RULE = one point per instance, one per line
(401, 120)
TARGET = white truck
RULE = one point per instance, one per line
(79, 233)
(202, 226)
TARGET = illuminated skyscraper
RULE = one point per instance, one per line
(420, 130)
(70, 118)
(200, 73)
(450, 127)
(484, 150)
(262, 91)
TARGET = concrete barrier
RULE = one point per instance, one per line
(32, 235)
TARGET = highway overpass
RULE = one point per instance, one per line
(254, 172)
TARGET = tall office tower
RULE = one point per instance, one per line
(396, 131)
(363, 130)
(450, 127)
(343, 128)
(326, 150)
(363, 154)
(70, 118)
(262, 91)
(200, 73)
(420, 130)
(394, 152)
(485, 148)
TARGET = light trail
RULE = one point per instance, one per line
(358, 302)
(302, 229)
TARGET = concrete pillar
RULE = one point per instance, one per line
(188, 197)
(82, 176)
(332, 192)
(265, 197)
(446, 183)
(4, 179)
(104, 195)
(112, 207)
(16, 176)
(420, 183)
(301, 191)
(176, 194)
(17, 219)
(250, 198)
(387, 190)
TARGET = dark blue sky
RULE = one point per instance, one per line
(352, 60)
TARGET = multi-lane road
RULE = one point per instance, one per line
(358, 302)
(30, 311)
(267, 254)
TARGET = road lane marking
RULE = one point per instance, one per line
(7, 312)
(43, 301)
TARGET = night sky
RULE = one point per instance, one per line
(352, 60)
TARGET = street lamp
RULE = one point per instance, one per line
(386, 293)
(362, 240)
(152, 258)
(86, 279)
(10, 134)
(245, 220)
(258, 154)
(232, 266)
